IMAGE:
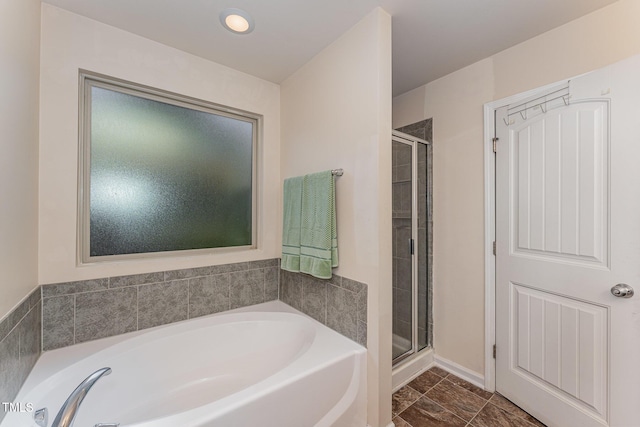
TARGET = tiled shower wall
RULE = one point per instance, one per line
(19, 346)
(423, 130)
(81, 311)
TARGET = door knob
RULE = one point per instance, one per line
(622, 290)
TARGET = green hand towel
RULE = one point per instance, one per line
(318, 238)
(292, 205)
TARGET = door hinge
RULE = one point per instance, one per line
(495, 144)
(494, 247)
(494, 351)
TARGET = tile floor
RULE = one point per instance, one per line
(439, 399)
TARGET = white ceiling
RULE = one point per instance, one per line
(431, 38)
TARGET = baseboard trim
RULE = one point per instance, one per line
(460, 371)
(411, 368)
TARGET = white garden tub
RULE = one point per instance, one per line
(265, 365)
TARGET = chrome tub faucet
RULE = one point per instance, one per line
(69, 409)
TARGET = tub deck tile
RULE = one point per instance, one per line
(271, 283)
(162, 303)
(208, 295)
(69, 288)
(246, 288)
(315, 299)
(106, 313)
(58, 322)
(342, 311)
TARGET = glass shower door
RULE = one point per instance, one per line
(403, 244)
(411, 230)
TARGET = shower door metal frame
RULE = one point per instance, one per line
(413, 142)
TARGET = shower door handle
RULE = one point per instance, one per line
(411, 246)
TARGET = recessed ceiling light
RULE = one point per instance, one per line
(237, 21)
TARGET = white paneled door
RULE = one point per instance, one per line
(567, 231)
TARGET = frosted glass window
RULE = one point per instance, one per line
(164, 173)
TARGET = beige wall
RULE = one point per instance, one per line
(71, 42)
(19, 65)
(458, 200)
(408, 108)
(455, 102)
(586, 44)
(336, 113)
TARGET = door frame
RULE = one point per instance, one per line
(490, 228)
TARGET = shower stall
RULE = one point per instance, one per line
(412, 225)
